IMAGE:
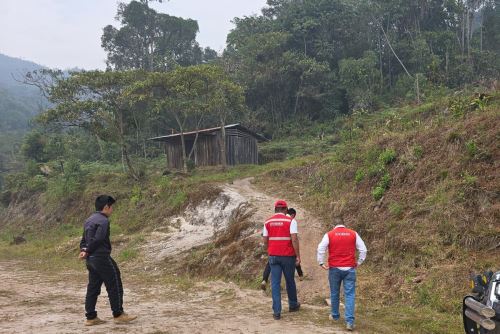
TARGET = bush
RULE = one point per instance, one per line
(471, 148)
(418, 152)
(270, 153)
(31, 168)
(37, 183)
(381, 187)
(387, 156)
(33, 147)
(378, 192)
(395, 208)
(69, 185)
(360, 175)
(15, 182)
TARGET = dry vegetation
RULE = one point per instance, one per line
(420, 183)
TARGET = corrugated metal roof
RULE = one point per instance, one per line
(207, 131)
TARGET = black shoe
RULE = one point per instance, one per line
(294, 309)
(277, 316)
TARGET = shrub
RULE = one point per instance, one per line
(395, 208)
(190, 165)
(270, 153)
(384, 182)
(37, 183)
(472, 149)
(469, 180)
(15, 182)
(31, 168)
(136, 195)
(360, 175)
(387, 156)
(177, 200)
(69, 185)
(459, 106)
(376, 169)
(418, 151)
(378, 192)
(381, 187)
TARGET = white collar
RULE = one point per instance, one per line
(338, 226)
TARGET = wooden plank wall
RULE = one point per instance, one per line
(241, 148)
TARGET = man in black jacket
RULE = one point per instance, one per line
(95, 247)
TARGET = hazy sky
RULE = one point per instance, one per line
(67, 33)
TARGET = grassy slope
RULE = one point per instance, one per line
(435, 218)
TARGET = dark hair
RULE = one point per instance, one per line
(280, 209)
(338, 220)
(292, 211)
(102, 200)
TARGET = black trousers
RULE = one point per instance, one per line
(267, 271)
(103, 269)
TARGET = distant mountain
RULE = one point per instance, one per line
(18, 102)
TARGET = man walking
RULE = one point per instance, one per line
(95, 247)
(282, 244)
(292, 213)
(342, 244)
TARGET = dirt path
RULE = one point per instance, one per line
(34, 302)
(315, 285)
(38, 302)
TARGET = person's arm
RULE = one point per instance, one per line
(361, 247)
(99, 236)
(294, 234)
(322, 246)
(83, 247)
(265, 238)
(296, 248)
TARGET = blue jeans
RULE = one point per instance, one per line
(285, 265)
(348, 278)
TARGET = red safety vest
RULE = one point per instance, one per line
(280, 239)
(342, 248)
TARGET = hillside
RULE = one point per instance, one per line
(18, 102)
(419, 182)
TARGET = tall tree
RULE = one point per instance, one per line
(96, 102)
(150, 40)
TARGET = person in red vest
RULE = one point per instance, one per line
(342, 244)
(267, 270)
(282, 244)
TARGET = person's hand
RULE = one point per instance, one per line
(83, 255)
(324, 266)
(297, 261)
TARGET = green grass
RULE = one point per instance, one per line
(364, 158)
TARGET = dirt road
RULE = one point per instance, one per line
(315, 285)
(40, 302)
(35, 302)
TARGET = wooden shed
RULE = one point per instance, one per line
(241, 146)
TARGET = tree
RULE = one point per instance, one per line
(225, 99)
(360, 78)
(96, 102)
(33, 147)
(151, 41)
(190, 96)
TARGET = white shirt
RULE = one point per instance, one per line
(293, 228)
(360, 246)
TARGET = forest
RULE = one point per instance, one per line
(293, 69)
(385, 113)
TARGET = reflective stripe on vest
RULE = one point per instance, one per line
(280, 240)
(342, 247)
